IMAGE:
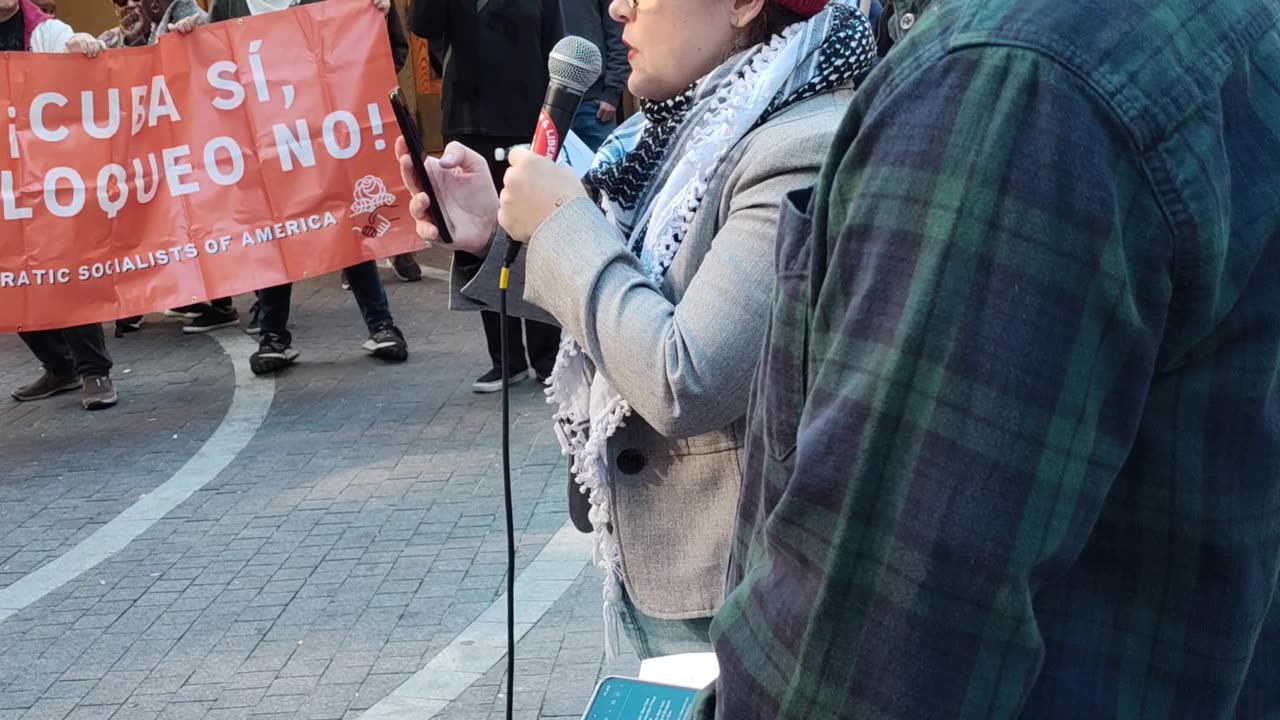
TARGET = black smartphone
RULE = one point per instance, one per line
(409, 129)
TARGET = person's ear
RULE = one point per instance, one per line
(744, 12)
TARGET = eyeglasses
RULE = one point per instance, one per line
(126, 3)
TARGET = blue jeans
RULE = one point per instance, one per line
(653, 638)
(589, 128)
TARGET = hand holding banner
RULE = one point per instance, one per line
(247, 154)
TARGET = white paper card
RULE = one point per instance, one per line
(695, 670)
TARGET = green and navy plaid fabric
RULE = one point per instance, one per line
(1015, 446)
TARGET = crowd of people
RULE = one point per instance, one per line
(921, 361)
(481, 114)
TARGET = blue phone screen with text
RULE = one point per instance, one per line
(623, 699)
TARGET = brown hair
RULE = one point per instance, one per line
(772, 20)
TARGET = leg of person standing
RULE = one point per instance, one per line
(385, 342)
(491, 381)
(406, 268)
(543, 343)
(254, 326)
(187, 312)
(72, 358)
(217, 314)
(275, 349)
(59, 365)
(93, 365)
(128, 325)
(540, 341)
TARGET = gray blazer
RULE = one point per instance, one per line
(684, 356)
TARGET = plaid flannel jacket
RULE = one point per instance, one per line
(1015, 443)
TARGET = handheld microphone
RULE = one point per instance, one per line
(574, 66)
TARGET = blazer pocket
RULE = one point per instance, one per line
(785, 358)
(674, 520)
(726, 438)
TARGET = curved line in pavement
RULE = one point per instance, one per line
(250, 403)
(484, 643)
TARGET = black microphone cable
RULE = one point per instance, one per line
(574, 66)
(513, 249)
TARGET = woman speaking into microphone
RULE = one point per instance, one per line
(659, 265)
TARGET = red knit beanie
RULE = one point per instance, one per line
(803, 8)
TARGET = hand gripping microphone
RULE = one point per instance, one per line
(574, 66)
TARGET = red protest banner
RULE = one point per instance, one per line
(248, 154)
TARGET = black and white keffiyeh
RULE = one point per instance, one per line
(650, 178)
(635, 164)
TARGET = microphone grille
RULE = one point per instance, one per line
(575, 63)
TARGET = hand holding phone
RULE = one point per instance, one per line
(409, 129)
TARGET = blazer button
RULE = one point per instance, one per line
(630, 462)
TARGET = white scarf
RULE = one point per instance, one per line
(657, 186)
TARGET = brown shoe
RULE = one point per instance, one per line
(47, 386)
(99, 394)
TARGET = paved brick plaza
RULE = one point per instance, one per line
(323, 546)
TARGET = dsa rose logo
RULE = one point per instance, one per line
(370, 194)
(369, 198)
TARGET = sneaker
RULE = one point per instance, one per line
(128, 325)
(212, 319)
(47, 386)
(274, 355)
(388, 344)
(255, 320)
(188, 312)
(491, 381)
(346, 284)
(406, 268)
(99, 394)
